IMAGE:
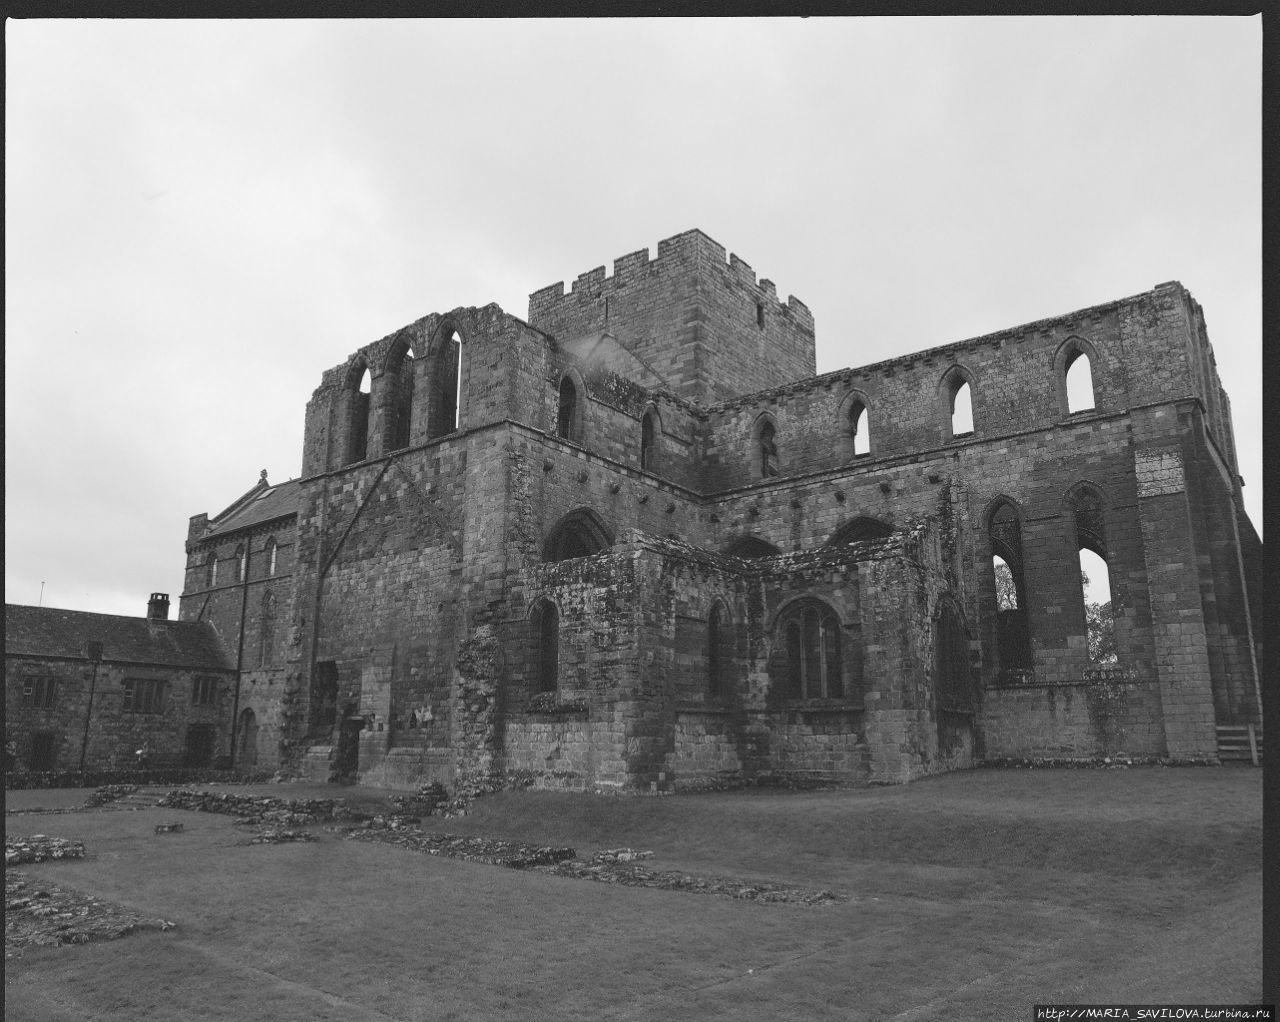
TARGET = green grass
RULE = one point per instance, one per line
(972, 896)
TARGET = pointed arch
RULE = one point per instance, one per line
(580, 533)
(270, 549)
(859, 529)
(444, 400)
(720, 649)
(809, 659)
(855, 419)
(956, 389)
(570, 407)
(242, 562)
(398, 381)
(358, 390)
(1009, 587)
(751, 547)
(1088, 507)
(765, 447)
(211, 570)
(1074, 369)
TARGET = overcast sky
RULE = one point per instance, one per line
(204, 216)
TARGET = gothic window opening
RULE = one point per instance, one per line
(579, 534)
(358, 418)
(567, 411)
(241, 562)
(211, 570)
(267, 630)
(767, 450)
(814, 662)
(1013, 632)
(446, 387)
(860, 428)
(1095, 576)
(547, 645)
(1079, 383)
(270, 550)
(648, 441)
(961, 409)
(400, 386)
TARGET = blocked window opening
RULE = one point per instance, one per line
(759, 314)
(358, 419)
(860, 428)
(1080, 396)
(267, 630)
(768, 450)
(40, 693)
(547, 630)
(961, 409)
(400, 385)
(719, 651)
(648, 439)
(579, 534)
(204, 691)
(143, 695)
(566, 414)
(951, 668)
(814, 659)
(247, 746)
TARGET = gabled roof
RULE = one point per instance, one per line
(51, 632)
(257, 506)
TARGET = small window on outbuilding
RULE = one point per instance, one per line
(40, 693)
(204, 691)
(143, 695)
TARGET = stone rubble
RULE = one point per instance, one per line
(39, 848)
(44, 915)
(260, 808)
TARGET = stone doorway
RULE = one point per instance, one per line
(198, 752)
(247, 747)
(346, 765)
(44, 752)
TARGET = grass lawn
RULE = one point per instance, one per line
(970, 897)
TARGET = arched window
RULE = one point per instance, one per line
(1013, 633)
(361, 383)
(767, 449)
(266, 630)
(546, 630)
(859, 428)
(751, 547)
(1095, 576)
(1079, 383)
(860, 529)
(242, 561)
(719, 651)
(567, 412)
(578, 534)
(446, 385)
(648, 442)
(211, 570)
(813, 662)
(961, 410)
(269, 549)
(399, 386)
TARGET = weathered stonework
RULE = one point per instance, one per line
(633, 544)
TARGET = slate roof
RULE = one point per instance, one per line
(51, 632)
(273, 502)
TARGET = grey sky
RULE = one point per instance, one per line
(204, 216)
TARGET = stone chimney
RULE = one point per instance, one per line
(158, 607)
